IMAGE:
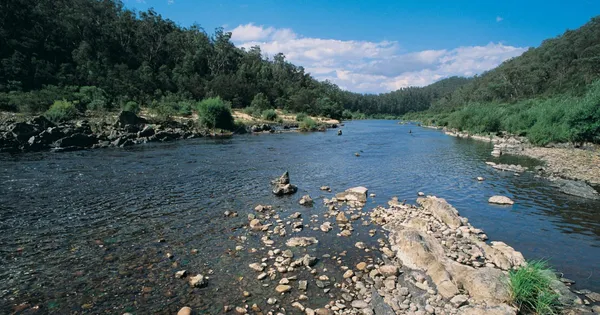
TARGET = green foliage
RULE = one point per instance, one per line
(92, 98)
(260, 102)
(164, 109)
(252, 111)
(61, 111)
(269, 114)
(131, 106)
(184, 108)
(531, 289)
(215, 113)
(308, 124)
(301, 117)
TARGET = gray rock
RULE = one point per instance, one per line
(575, 188)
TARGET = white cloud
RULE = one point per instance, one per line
(372, 67)
(499, 19)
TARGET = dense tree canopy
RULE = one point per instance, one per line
(103, 56)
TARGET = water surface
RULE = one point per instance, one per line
(80, 230)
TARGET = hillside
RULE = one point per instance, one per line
(549, 94)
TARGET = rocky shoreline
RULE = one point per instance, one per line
(431, 261)
(40, 134)
(572, 170)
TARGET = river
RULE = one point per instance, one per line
(81, 230)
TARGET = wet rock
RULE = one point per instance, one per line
(285, 190)
(77, 140)
(325, 188)
(346, 233)
(309, 261)
(353, 194)
(282, 288)
(479, 178)
(302, 285)
(256, 267)
(306, 201)
(420, 194)
(341, 218)
(575, 188)
(301, 241)
(198, 281)
(507, 167)
(283, 179)
(501, 200)
(185, 311)
(325, 227)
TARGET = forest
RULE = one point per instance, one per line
(548, 94)
(100, 56)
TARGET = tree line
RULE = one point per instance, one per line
(102, 56)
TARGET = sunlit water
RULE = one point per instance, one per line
(79, 230)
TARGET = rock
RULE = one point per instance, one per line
(379, 306)
(23, 131)
(486, 285)
(148, 131)
(501, 200)
(339, 133)
(262, 276)
(507, 167)
(325, 227)
(126, 118)
(353, 194)
(441, 210)
(181, 274)
(359, 304)
(459, 300)
(348, 274)
(256, 267)
(302, 285)
(346, 233)
(360, 245)
(287, 253)
(283, 179)
(361, 266)
(298, 306)
(501, 309)
(241, 310)
(309, 261)
(288, 189)
(388, 270)
(301, 241)
(255, 224)
(306, 201)
(77, 140)
(198, 281)
(325, 188)
(341, 218)
(420, 194)
(575, 188)
(185, 311)
(514, 257)
(480, 178)
(282, 288)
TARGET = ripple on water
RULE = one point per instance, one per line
(89, 221)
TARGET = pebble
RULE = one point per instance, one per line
(282, 288)
(185, 311)
(198, 281)
(181, 274)
(271, 301)
(348, 274)
(361, 266)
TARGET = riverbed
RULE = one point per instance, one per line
(90, 230)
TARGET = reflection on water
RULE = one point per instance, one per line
(80, 229)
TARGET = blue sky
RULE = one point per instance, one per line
(378, 46)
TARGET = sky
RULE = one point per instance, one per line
(381, 46)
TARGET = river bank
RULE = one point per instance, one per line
(561, 161)
(33, 134)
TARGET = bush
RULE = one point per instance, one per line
(260, 101)
(184, 108)
(301, 117)
(163, 110)
(308, 124)
(252, 111)
(269, 114)
(531, 289)
(91, 97)
(215, 113)
(61, 111)
(132, 106)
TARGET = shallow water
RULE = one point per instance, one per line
(80, 229)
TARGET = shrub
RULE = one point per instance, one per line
(531, 288)
(131, 106)
(308, 124)
(260, 101)
(215, 113)
(269, 114)
(91, 97)
(61, 111)
(301, 117)
(252, 111)
(163, 110)
(184, 108)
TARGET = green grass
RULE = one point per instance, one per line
(531, 289)
(542, 120)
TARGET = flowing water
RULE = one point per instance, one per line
(80, 230)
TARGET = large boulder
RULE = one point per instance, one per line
(575, 188)
(128, 118)
(441, 210)
(353, 194)
(77, 140)
(501, 200)
(23, 131)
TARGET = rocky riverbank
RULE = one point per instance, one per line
(431, 261)
(572, 169)
(127, 129)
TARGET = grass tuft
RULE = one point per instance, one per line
(531, 289)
